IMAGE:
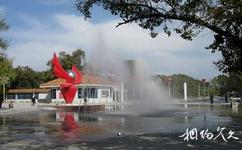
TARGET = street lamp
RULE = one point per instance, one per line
(198, 88)
(4, 80)
(169, 85)
(204, 81)
(207, 83)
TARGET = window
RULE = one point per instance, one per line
(93, 93)
(87, 93)
(36, 95)
(105, 93)
(80, 93)
(53, 93)
(24, 95)
(10, 96)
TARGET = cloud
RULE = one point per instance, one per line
(54, 2)
(35, 45)
(31, 22)
(3, 10)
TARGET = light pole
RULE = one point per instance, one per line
(208, 87)
(198, 88)
(185, 90)
(169, 86)
(204, 81)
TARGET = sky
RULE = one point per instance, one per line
(38, 28)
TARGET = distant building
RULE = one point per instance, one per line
(92, 90)
(26, 94)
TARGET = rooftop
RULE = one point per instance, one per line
(38, 90)
(86, 79)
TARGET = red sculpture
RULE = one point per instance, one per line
(72, 78)
(70, 128)
(69, 123)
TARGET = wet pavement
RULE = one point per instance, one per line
(156, 129)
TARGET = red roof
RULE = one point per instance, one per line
(86, 79)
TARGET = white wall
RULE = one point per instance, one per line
(41, 96)
(44, 96)
(97, 100)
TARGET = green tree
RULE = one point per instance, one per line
(6, 69)
(77, 57)
(45, 76)
(229, 83)
(3, 27)
(235, 83)
(222, 17)
(221, 82)
(6, 74)
(177, 82)
(26, 77)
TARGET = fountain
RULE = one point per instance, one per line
(151, 122)
(143, 90)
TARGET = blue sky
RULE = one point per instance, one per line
(38, 28)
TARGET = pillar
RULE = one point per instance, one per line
(185, 91)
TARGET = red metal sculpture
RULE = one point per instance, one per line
(72, 77)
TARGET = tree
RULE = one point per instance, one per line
(227, 83)
(6, 74)
(3, 27)
(176, 83)
(26, 77)
(77, 57)
(45, 76)
(235, 83)
(222, 17)
(221, 83)
(6, 68)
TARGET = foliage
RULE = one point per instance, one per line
(45, 76)
(7, 73)
(177, 82)
(3, 27)
(6, 67)
(77, 57)
(227, 84)
(187, 18)
(25, 78)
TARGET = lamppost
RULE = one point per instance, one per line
(208, 84)
(204, 81)
(198, 88)
(169, 85)
(4, 80)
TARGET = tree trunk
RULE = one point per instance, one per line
(1, 101)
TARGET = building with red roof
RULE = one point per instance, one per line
(93, 89)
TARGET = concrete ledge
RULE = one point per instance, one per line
(76, 107)
(204, 104)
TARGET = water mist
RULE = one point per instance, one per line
(143, 91)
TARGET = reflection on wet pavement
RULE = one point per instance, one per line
(52, 127)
